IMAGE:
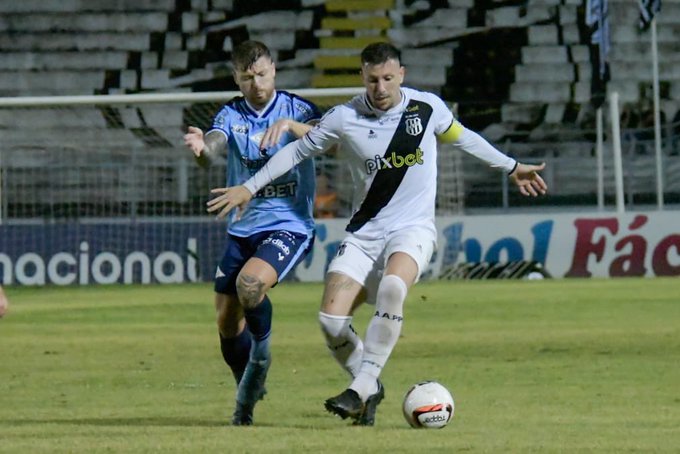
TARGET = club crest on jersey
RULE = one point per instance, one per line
(394, 161)
(413, 126)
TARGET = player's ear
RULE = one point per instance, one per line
(402, 73)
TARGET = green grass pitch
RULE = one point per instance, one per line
(534, 366)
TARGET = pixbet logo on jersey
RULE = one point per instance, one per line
(394, 161)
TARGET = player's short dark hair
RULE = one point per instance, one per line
(379, 53)
(248, 52)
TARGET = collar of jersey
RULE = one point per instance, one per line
(396, 109)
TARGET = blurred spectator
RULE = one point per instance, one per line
(629, 117)
(675, 129)
(645, 133)
(326, 200)
(628, 122)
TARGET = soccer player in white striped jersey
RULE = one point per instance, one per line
(390, 136)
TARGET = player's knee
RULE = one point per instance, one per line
(392, 289)
(250, 290)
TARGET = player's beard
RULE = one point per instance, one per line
(261, 96)
(382, 101)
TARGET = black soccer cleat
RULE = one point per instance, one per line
(367, 418)
(346, 404)
(250, 390)
(243, 415)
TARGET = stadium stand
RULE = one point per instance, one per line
(519, 71)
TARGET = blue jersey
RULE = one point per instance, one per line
(286, 203)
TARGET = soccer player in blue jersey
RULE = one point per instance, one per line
(266, 241)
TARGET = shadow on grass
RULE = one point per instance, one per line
(153, 421)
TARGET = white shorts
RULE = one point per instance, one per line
(364, 260)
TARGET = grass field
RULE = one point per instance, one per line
(534, 366)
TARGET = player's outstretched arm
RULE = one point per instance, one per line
(273, 134)
(228, 199)
(239, 196)
(203, 146)
(525, 176)
(528, 180)
(193, 139)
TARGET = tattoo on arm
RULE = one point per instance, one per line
(215, 144)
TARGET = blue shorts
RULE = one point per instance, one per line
(281, 249)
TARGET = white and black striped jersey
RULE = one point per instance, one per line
(392, 156)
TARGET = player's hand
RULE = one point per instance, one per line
(229, 198)
(528, 180)
(273, 134)
(193, 139)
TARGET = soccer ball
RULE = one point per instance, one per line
(428, 405)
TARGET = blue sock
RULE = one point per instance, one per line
(259, 320)
(259, 350)
(236, 352)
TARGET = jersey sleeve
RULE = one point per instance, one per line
(326, 133)
(442, 114)
(475, 145)
(448, 129)
(221, 122)
(305, 111)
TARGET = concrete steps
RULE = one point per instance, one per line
(348, 27)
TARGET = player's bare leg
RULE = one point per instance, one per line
(342, 295)
(335, 319)
(235, 342)
(384, 328)
(254, 280)
(381, 337)
(234, 337)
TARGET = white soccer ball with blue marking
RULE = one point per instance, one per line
(428, 405)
